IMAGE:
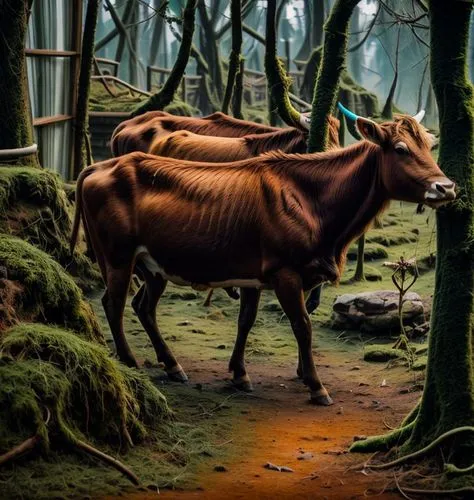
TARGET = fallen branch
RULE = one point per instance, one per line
(87, 448)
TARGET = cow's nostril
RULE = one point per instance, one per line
(440, 188)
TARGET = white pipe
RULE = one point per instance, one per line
(18, 152)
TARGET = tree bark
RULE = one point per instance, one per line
(277, 78)
(448, 397)
(332, 64)
(87, 60)
(166, 94)
(238, 91)
(15, 126)
(235, 54)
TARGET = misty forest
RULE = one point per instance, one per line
(236, 249)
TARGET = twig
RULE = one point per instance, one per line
(108, 460)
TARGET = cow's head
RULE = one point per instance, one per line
(408, 171)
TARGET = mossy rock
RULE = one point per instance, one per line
(420, 363)
(87, 394)
(382, 353)
(34, 207)
(372, 274)
(372, 251)
(44, 291)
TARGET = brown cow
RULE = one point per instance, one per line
(186, 145)
(138, 133)
(276, 221)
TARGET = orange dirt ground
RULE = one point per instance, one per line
(281, 425)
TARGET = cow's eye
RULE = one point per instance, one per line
(401, 148)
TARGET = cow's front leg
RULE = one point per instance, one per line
(289, 291)
(249, 299)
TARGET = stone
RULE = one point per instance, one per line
(374, 312)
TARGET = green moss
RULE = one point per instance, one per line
(48, 293)
(34, 207)
(372, 274)
(181, 108)
(88, 393)
(372, 251)
(381, 353)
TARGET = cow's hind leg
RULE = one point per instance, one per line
(113, 301)
(249, 298)
(145, 309)
(289, 291)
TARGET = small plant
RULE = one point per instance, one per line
(404, 277)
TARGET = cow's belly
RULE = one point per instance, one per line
(154, 267)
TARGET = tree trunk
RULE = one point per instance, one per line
(87, 58)
(15, 125)
(332, 64)
(317, 22)
(238, 91)
(166, 94)
(448, 397)
(277, 78)
(234, 59)
(359, 272)
(211, 50)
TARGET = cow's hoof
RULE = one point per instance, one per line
(321, 398)
(243, 383)
(177, 374)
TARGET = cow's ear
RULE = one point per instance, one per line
(370, 130)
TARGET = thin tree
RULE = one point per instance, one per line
(277, 78)
(15, 126)
(445, 415)
(336, 33)
(235, 54)
(167, 92)
(81, 138)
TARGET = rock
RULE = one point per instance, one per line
(305, 456)
(283, 468)
(184, 323)
(271, 466)
(272, 306)
(221, 346)
(377, 311)
(220, 468)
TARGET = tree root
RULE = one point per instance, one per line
(87, 448)
(383, 442)
(456, 491)
(452, 470)
(25, 447)
(421, 452)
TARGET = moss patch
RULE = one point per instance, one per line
(45, 292)
(88, 393)
(372, 251)
(381, 353)
(34, 207)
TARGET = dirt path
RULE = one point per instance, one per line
(281, 427)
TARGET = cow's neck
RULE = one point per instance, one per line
(346, 193)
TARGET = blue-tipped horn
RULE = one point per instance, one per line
(348, 114)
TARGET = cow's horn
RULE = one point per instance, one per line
(420, 115)
(348, 114)
(305, 120)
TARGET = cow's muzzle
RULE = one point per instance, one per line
(440, 192)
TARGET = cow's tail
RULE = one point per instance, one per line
(78, 212)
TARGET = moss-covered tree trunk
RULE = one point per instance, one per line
(166, 94)
(333, 61)
(87, 59)
(448, 397)
(234, 59)
(15, 125)
(278, 80)
(238, 91)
